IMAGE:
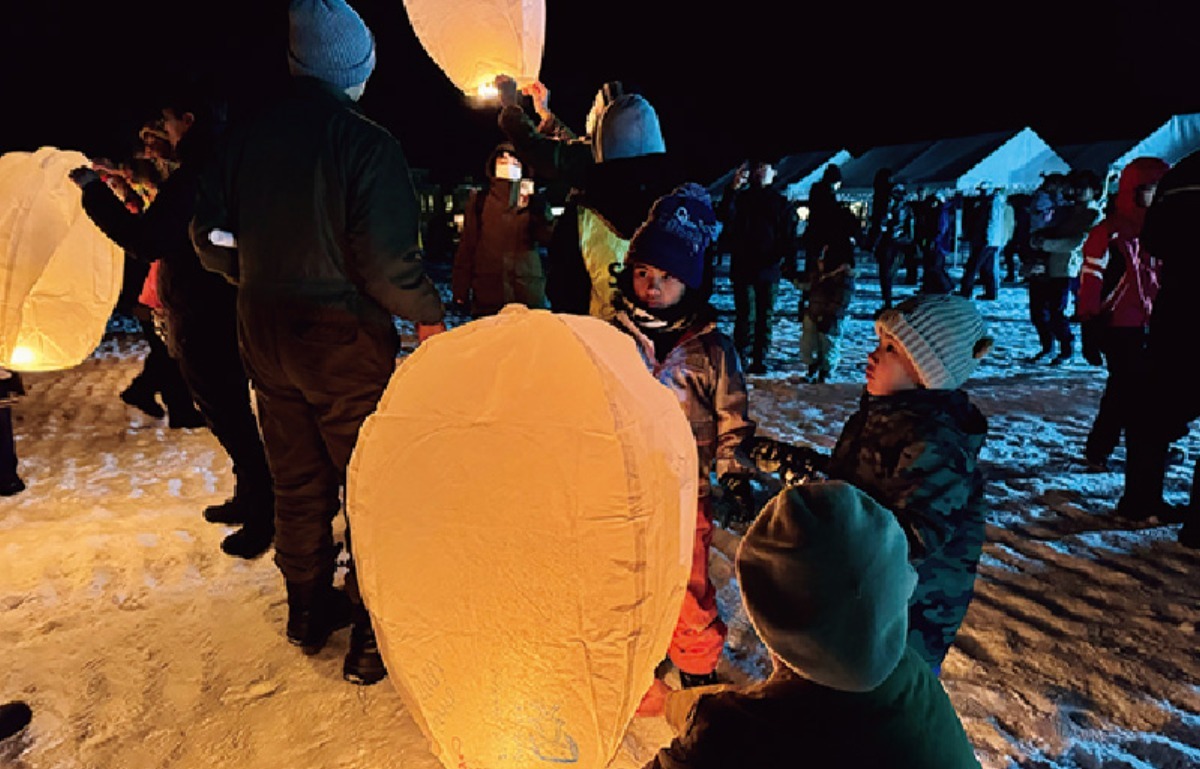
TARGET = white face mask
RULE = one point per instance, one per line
(508, 167)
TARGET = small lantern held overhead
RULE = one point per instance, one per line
(60, 276)
(522, 503)
(473, 41)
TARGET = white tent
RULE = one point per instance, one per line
(1172, 141)
(1009, 160)
(798, 173)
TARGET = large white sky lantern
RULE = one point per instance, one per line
(523, 504)
(59, 274)
(475, 40)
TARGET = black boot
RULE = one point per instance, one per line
(363, 664)
(231, 512)
(692, 680)
(250, 541)
(315, 610)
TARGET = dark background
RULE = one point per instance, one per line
(727, 78)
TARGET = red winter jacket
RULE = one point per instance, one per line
(1124, 291)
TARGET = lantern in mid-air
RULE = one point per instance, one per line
(522, 504)
(473, 41)
(60, 276)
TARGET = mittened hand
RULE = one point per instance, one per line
(793, 464)
(740, 490)
(1091, 331)
(83, 175)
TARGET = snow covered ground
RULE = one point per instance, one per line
(139, 644)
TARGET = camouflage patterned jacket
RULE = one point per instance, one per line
(704, 371)
(917, 453)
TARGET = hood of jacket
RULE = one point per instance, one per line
(1128, 216)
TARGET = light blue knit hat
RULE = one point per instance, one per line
(328, 40)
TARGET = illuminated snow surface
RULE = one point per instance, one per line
(139, 644)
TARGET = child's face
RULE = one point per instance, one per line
(889, 370)
(655, 288)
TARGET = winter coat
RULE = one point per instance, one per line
(1062, 242)
(705, 373)
(498, 260)
(762, 235)
(198, 305)
(592, 234)
(832, 231)
(323, 208)
(917, 453)
(1170, 233)
(829, 296)
(1120, 278)
(907, 722)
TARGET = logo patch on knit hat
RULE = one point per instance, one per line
(676, 235)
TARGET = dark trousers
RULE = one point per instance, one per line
(933, 266)
(317, 377)
(982, 263)
(212, 367)
(1048, 312)
(8, 449)
(1125, 357)
(753, 303)
(889, 254)
(1163, 414)
(160, 373)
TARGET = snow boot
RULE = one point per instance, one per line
(142, 398)
(315, 610)
(250, 541)
(363, 664)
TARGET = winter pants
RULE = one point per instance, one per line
(753, 304)
(160, 373)
(699, 633)
(318, 373)
(982, 263)
(820, 351)
(933, 265)
(8, 448)
(1125, 357)
(1163, 414)
(1048, 312)
(886, 251)
(212, 367)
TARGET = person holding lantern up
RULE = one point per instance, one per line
(616, 171)
(200, 313)
(660, 302)
(311, 210)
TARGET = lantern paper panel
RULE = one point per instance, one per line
(523, 503)
(60, 276)
(473, 41)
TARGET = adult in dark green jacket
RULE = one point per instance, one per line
(825, 578)
(322, 214)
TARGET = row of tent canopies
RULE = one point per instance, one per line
(1015, 161)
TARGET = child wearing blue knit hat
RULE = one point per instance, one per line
(661, 303)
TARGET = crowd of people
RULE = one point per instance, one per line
(279, 251)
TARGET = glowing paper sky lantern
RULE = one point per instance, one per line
(475, 40)
(59, 275)
(523, 504)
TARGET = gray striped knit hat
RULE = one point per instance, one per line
(942, 334)
(328, 40)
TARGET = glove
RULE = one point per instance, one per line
(1092, 331)
(741, 492)
(793, 464)
(83, 176)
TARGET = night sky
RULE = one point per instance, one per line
(750, 78)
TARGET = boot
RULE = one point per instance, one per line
(314, 612)
(142, 398)
(250, 541)
(363, 664)
(229, 512)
